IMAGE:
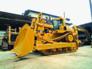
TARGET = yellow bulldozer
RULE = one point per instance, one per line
(46, 38)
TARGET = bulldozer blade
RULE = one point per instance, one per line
(24, 42)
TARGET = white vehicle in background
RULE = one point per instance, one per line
(2, 33)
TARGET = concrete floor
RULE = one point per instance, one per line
(82, 59)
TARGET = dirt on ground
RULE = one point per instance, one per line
(82, 59)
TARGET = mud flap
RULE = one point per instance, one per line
(24, 42)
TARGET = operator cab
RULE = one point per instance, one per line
(56, 23)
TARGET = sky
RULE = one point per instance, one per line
(77, 10)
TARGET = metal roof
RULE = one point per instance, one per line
(87, 26)
(14, 20)
(28, 11)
